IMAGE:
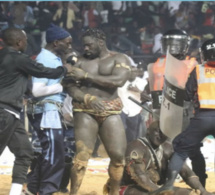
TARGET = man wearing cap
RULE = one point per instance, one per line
(46, 119)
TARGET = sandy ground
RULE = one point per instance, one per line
(96, 175)
(94, 183)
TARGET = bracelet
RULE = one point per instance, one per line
(86, 74)
(91, 99)
(86, 98)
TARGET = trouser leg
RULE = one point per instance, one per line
(66, 176)
(47, 174)
(199, 165)
(52, 165)
(21, 147)
(33, 177)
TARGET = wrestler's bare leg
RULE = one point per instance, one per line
(112, 134)
(86, 130)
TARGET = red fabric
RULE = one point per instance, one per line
(208, 18)
(147, 48)
(92, 19)
(122, 190)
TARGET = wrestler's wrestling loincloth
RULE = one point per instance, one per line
(111, 108)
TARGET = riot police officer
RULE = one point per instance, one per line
(177, 43)
(200, 89)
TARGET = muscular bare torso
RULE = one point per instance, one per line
(103, 67)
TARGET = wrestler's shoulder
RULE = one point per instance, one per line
(117, 55)
(84, 61)
(136, 146)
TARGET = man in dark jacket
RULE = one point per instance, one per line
(15, 68)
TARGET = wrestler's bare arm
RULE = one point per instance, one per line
(79, 95)
(76, 93)
(73, 89)
(136, 166)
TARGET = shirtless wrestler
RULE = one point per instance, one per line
(146, 166)
(96, 107)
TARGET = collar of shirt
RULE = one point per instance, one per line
(50, 55)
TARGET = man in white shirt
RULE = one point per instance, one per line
(131, 112)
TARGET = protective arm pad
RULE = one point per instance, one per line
(41, 89)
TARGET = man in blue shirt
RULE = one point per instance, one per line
(46, 177)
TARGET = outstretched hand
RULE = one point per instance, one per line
(78, 73)
(68, 67)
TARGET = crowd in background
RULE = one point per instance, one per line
(132, 27)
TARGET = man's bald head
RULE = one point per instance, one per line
(11, 35)
(15, 38)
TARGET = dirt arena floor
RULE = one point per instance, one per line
(95, 178)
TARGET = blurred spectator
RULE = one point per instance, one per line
(120, 40)
(208, 23)
(105, 14)
(134, 33)
(76, 34)
(5, 18)
(29, 16)
(143, 15)
(181, 17)
(73, 6)
(18, 14)
(121, 43)
(147, 36)
(118, 7)
(64, 16)
(91, 17)
(42, 12)
(157, 47)
(173, 7)
(130, 115)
